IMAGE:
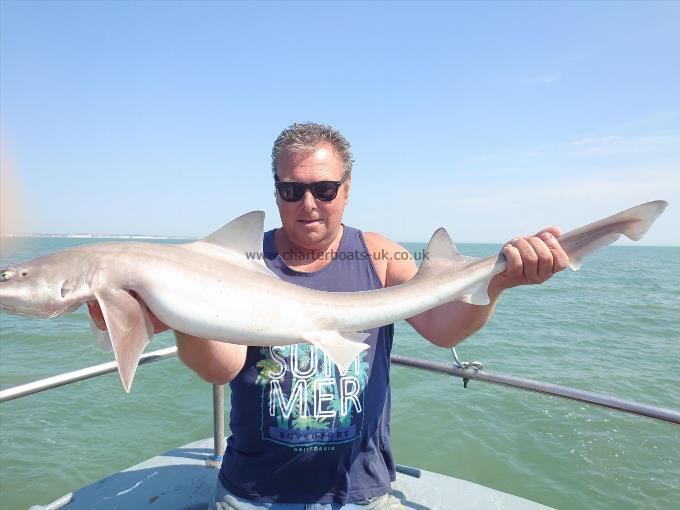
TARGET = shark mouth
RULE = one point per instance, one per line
(33, 313)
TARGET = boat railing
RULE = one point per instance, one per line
(466, 371)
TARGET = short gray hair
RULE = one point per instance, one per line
(306, 136)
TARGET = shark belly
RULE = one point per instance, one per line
(249, 315)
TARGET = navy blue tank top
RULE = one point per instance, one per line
(302, 430)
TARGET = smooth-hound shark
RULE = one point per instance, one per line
(215, 288)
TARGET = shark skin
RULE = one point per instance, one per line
(218, 288)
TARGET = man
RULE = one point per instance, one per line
(305, 433)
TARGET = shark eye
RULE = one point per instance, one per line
(6, 275)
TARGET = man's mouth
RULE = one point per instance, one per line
(309, 222)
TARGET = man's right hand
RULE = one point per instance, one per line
(98, 317)
(96, 314)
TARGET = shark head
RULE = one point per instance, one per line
(41, 288)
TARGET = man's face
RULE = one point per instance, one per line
(310, 223)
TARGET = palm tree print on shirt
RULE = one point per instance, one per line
(306, 399)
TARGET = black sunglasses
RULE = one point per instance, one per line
(324, 191)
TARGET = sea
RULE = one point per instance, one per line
(613, 328)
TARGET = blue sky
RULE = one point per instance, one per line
(491, 119)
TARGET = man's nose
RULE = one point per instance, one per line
(308, 199)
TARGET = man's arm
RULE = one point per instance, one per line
(530, 260)
(215, 362)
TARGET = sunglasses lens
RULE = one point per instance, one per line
(290, 191)
(325, 190)
(294, 191)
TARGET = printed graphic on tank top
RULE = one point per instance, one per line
(293, 410)
(307, 399)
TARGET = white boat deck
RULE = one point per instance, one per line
(181, 479)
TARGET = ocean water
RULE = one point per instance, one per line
(613, 327)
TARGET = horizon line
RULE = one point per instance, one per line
(85, 235)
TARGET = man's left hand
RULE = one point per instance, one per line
(532, 260)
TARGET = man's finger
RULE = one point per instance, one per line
(529, 260)
(514, 261)
(545, 257)
(550, 230)
(560, 257)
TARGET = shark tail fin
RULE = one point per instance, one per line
(633, 223)
(442, 258)
(129, 327)
(642, 217)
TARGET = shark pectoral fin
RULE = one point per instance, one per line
(129, 327)
(342, 348)
(102, 337)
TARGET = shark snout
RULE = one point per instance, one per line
(17, 292)
(9, 298)
(21, 300)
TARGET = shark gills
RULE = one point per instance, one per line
(219, 288)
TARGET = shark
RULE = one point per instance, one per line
(218, 288)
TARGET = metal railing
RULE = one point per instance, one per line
(79, 375)
(471, 372)
(589, 397)
(48, 383)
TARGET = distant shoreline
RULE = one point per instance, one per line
(93, 236)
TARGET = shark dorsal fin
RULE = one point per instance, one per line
(242, 235)
(442, 254)
(443, 258)
(240, 241)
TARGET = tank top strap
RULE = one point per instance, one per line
(350, 269)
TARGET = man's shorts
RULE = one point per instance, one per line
(222, 499)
